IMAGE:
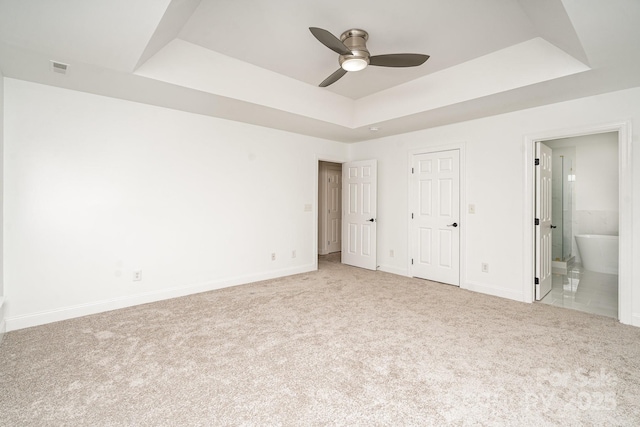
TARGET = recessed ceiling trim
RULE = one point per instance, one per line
(521, 65)
(188, 65)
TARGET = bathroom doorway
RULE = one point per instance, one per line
(625, 219)
(585, 223)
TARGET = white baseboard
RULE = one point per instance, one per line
(64, 313)
(470, 286)
(491, 290)
(635, 319)
(393, 270)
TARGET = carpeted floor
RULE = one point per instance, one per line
(340, 346)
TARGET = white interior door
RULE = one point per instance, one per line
(435, 216)
(543, 280)
(359, 198)
(334, 211)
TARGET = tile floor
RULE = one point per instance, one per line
(585, 290)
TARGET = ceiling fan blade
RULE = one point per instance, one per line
(398, 60)
(333, 78)
(330, 41)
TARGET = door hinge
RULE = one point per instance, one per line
(328, 243)
(537, 162)
(537, 281)
(411, 261)
(411, 170)
(412, 215)
(537, 221)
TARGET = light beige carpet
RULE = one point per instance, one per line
(340, 346)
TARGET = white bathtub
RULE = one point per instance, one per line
(598, 252)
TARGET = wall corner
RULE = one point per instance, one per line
(2, 310)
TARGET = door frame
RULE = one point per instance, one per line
(316, 194)
(625, 208)
(461, 147)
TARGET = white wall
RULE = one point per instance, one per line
(2, 310)
(98, 187)
(495, 183)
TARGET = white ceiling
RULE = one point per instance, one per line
(256, 61)
(278, 39)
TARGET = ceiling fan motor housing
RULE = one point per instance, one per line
(356, 41)
(354, 55)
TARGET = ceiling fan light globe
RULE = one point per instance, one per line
(354, 64)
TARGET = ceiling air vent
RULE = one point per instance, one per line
(59, 67)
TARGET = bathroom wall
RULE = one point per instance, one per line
(595, 190)
(597, 185)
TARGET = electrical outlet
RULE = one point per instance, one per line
(391, 254)
(485, 267)
(137, 275)
(293, 254)
(472, 209)
(273, 256)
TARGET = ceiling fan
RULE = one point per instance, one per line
(354, 56)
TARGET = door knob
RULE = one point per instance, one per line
(455, 224)
(554, 226)
(371, 220)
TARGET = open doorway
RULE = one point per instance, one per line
(624, 191)
(584, 223)
(329, 208)
(347, 209)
